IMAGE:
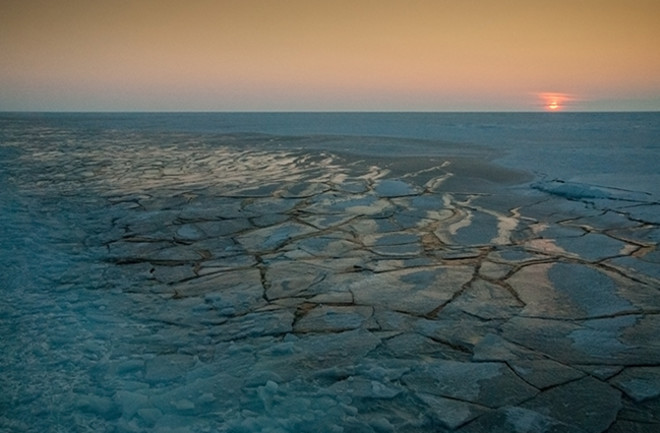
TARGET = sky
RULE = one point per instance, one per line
(329, 55)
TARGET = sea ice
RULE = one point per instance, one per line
(198, 281)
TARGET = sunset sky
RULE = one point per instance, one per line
(293, 55)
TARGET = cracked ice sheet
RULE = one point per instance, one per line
(193, 286)
(562, 290)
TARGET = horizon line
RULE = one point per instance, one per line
(66, 111)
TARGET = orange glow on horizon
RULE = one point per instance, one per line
(555, 101)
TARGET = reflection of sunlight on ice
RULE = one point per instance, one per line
(628, 249)
(546, 246)
(370, 209)
(434, 183)
(542, 244)
(464, 222)
(438, 215)
(464, 215)
(133, 169)
(339, 178)
(505, 226)
(374, 173)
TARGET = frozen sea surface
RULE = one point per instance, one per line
(329, 272)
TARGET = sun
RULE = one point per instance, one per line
(553, 101)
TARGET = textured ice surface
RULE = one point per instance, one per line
(158, 279)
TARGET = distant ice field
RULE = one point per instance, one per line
(614, 149)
